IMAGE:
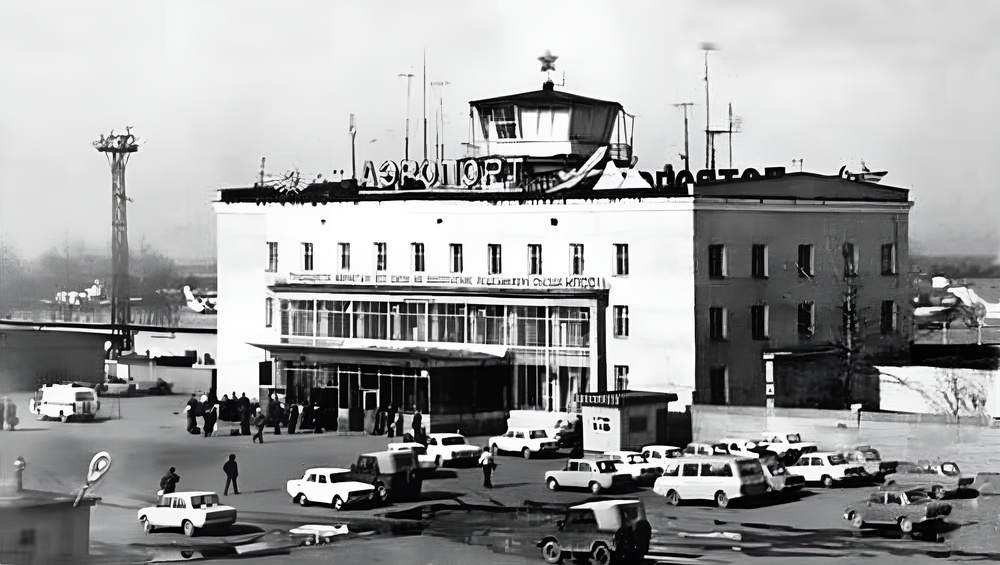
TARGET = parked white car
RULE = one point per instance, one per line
(191, 511)
(656, 452)
(594, 474)
(782, 442)
(452, 448)
(526, 441)
(741, 447)
(426, 460)
(328, 485)
(702, 449)
(827, 468)
(637, 466)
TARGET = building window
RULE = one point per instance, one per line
(888, 319)
(487, 324)
(371, 319)
(759, 321)
(333, 318)
(807, 319)
(570, 326)
(889, 259)
(495, 262)
(621, 377)
(344, 250)
(534, 259)
(447, 323)
(718, 328)
(380, 256)
(529, 326)
(621, 321)
(455, 251)
(408, 321)
(503, 119)
(718, 384)
(758, 261)
(717, 261)
(272, 256)
(417, 259)
(576, 258)
(268, 312)
(805, 264)
(621, 260)
(307, 256)
(850, 260)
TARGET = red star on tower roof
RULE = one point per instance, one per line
(548, 61)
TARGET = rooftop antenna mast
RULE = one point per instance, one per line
(406, 147)
(425, 104)
(117, 149)
(707, 47)
(687, 152)
(352, 130)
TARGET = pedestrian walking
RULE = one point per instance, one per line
(232, 471)
(168, 483)
(211, 417)
(293, 417)
(191, 411)
(276, 412)
(11, 415)
(259, 421)
(415, 424)
(489, 465)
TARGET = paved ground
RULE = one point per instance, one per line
(455, 524)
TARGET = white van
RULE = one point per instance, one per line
(65, 402)
(719, 477)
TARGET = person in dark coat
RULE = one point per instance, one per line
(232, 471)
(233, 408)
(211, 417)
(293, 417)
(308, 418)
(415, 424)
(10, 415)
(259, 421)
(319, 414)
(192, 414)
(390, 421)
(276, 413)
(224, 408)
(379, 426)
(245, 420)
(399, 424)
(169, 481)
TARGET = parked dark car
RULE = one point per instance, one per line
(607, 531)
(395, 475)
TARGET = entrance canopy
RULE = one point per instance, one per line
(405, 356)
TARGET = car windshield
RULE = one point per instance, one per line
(635, 459)
(793, 438)
(340, 477)
(606, 466)
(776, 468)
(950, 469)
(871, 454)
(453, 441)
(916, 496)
(366, 464)
(538, 434)
(85, 397)
(204, 500)
(836, 459)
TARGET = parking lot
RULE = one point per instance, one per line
(461, 517)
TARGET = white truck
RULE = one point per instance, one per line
(64, 402)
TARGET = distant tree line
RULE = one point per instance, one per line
(958, 266)
(25, 283)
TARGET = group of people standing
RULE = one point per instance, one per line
(390, 422)
(8, 414)
(249, 414)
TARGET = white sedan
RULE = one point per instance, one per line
(526, 441)
(328, 485)
(635, 464)
(426, 460)
(596, 475)
(190, 511)
(452, 448)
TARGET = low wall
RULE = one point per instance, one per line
(932, 390)
(536, 419)
(967, 441)
(185, 380)
(478, 424)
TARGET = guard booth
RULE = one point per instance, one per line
(628, 420)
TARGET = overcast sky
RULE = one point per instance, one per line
(212, 86)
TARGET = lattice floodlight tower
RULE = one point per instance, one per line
(117, 149)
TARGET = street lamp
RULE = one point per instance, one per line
(409, 81)
(439, 135)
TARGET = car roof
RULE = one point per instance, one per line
(609, 453)
(821, 453)
(537, 429)
(327, 470)
(662, 447)
(901, 488)
(190, 493)
(445, 435)
(600, 504)
(737, 440)
(406, 444)
(590, 459)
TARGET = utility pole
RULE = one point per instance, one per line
(706, 47)
(117, 149)
(353, 131)
(441, 116)
(687, 151)
(406, 146)
(425, 104)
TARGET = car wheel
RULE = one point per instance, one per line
(439, 461)
(673, 498)
(905, 525)
(827, 481)
(595, 488)
(146, 526)
(721, 499)
(381, 492)
(188, 528)
(303, 501)
(601, 555)
(552, 484)
(526, 453)
(551, 551)
(338, 503)
(937, 491)
(495, 450)
(856, 520)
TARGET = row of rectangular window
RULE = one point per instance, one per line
(456, 258)
(805, 320)
(718, 266)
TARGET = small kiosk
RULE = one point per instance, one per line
(629, 419)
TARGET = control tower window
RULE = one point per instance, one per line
(504, 122)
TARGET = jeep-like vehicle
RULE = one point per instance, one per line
(394, 474)
(606, 531)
